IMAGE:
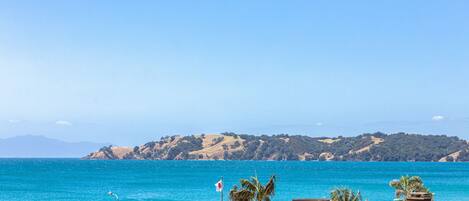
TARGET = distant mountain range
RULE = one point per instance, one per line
(31, 146)
(231, 146)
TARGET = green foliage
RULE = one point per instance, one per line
(410, 147)
(464, 155)
(394, 147)
(253, 190)
(345, 194)
(240, 194)
(217, 140)
(186, 145)
(407, 185)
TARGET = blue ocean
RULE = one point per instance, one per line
(74, 179)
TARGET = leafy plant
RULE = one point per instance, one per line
(345, 194)
(253, 190)
(407, 185)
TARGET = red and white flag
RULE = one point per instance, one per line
(219, 186)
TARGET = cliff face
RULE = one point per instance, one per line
(230, 146)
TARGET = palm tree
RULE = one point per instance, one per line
(408, 184)
(345, 194)
(240, 195)
(253, 190)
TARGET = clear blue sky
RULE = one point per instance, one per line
(129, 72)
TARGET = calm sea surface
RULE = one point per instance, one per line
(73, 179)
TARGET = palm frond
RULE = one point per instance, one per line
(253, 190)
(407, 185)
(345, 194)
(248, 185)
(270, 186)
(240, 195)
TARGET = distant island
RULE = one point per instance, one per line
(231, 146)
(36, 146)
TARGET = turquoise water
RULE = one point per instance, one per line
(73, 179)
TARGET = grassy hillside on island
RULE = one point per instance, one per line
(231, 146)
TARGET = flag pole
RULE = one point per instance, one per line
(221, 192)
